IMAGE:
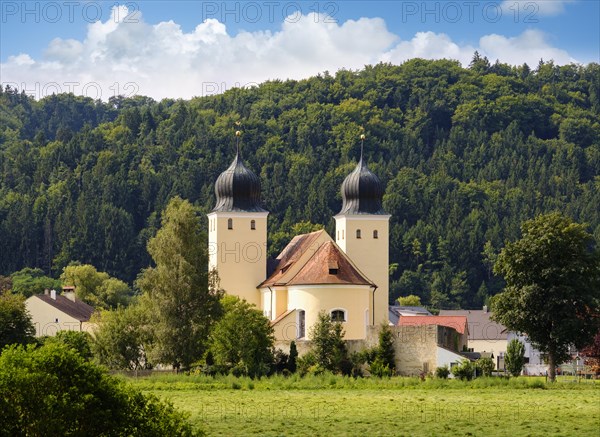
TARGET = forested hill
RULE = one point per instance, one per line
(466, 156)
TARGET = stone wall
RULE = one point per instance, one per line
(415, 346)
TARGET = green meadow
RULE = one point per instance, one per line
(328, 405)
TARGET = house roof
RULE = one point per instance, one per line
(458, 323)
(329, 265)
(396, 311)
(289, 255)
(325, 263)
(481, 327)
(76, 309)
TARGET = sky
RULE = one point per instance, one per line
(182, 49)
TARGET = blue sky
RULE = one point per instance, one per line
(188, 48)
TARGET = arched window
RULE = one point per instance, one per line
(358, 233)
(342, 234)
(229, 223)
(301, 324)
(253, 224)
(375, 235)
(338, 315)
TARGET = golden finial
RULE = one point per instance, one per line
(362, 136)
(238, 133)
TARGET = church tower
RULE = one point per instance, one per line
(362, 232)
(237, 231)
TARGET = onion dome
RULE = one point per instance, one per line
(362, 191)
(237, 188)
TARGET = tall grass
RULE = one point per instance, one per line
(328, 381)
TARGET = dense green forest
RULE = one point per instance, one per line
(466, 154)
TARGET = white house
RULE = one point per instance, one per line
(52, 312)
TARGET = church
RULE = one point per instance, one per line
(346, 277)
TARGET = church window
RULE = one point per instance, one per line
(229, 223)
(253, 224)
(375, 234)
(342, 234)
(338, 315)
(301, 324)
(358, 233)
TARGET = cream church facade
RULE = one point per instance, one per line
(347, 277)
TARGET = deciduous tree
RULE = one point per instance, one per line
(96, 288)
(515, 357)
(242, 339)
(15, 322)
(183, 297)
(328, 344)
(552, 289)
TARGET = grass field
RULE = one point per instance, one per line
(334, 406)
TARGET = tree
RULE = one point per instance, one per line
(293, 357)
(514, 359)
(32, 281)
(241, 341)
(409, 301)
(183, 298)
(15, 322)
(552, 289)
(78, 341)
(592, 354)
(83, 399)
(123, 337)
(384, 355)
(328, 344)
(96, 288)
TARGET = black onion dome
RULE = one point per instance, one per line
(238, 189)
(362, 191)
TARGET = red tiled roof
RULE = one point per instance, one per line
(459, 323)
(327, 259)
(292, 252)
(78, 309)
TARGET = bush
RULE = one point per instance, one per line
(485, 365)
(305, 362)
(80, 342)
(81, 397)
(280, 361)
(464, 370)
(442, 372)
(380, 369)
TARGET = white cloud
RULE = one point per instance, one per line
(429, 45)
(162, 60)
(531, 8)
(529, 47)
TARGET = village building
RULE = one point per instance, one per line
(52, 312)
(488, 338)
(485, 335)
